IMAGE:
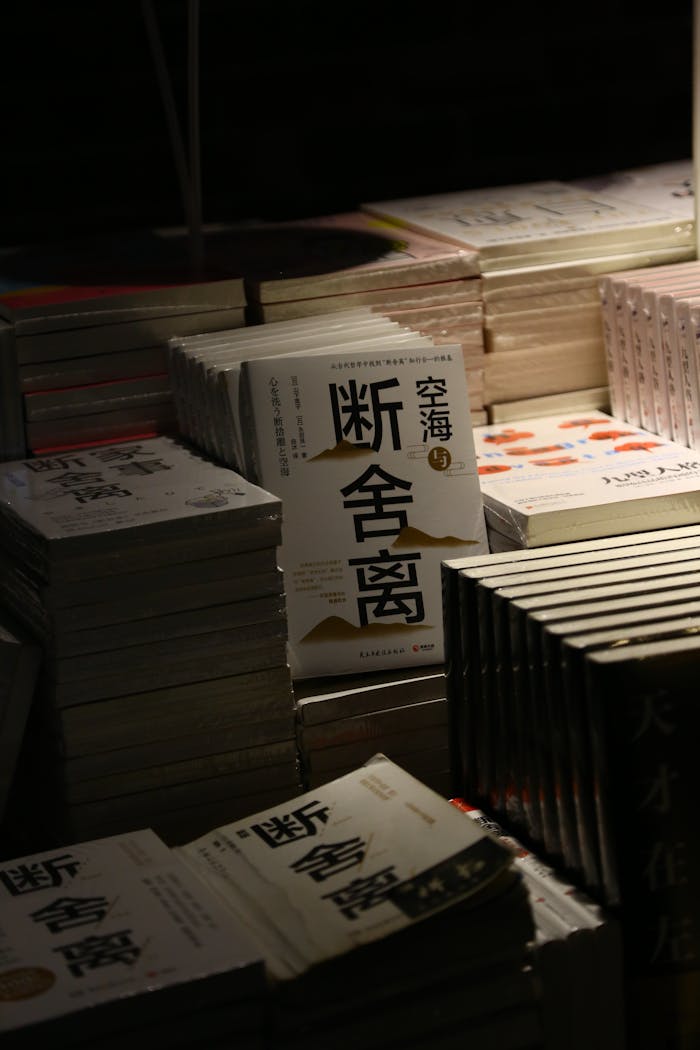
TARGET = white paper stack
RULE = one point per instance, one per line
(541, 249)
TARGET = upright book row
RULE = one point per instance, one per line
(651, 323)
(571, 685)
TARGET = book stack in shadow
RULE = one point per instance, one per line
(149, 575)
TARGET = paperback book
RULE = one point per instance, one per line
(382, 448)
(562, 478)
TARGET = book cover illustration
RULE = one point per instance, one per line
(112, 920)
(372, 456)
(558, 478)
(362, 857)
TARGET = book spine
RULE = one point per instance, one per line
(612, 358)
(630, 394)
(642, 363)
(657, 365)
(689, 372)
(669, 350)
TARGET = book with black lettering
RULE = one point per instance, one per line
(383, 450)
(169, 594)
(463, 628)
(115, 940)
(378, 871)
(125, 507)
(641, 701)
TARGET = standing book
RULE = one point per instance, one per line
(372, 456)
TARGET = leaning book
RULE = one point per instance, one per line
(348, 864)
(372, 455)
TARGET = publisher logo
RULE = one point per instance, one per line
(439, 458)
(24, 983)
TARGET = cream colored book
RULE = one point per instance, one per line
(538, 223)
(346, 865)
(571, 477)
(594, 399)
(372, 456)
(116, 922)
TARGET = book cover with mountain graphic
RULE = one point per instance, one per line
(372, 455)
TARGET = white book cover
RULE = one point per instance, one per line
(538, 222)
(113, 919)
(346, 864)
(119, 494)
(372, 456)
(561, 478)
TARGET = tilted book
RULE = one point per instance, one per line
(372, 456)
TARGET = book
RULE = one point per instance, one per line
(377, 810)
(560, 478)
(350, 251)
(592, 399)
(368, 440)
(128, 505)
(540, 222)
(20, 661)
(116, 938)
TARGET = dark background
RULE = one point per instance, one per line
(308, 108)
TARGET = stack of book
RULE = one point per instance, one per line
(651, 325)
(115, 942)
(343, 720)
(83, 333)
(560, 478)
(541, 249)
(336, 262)
(149, 574)
(576, 954)
(571, 684)
(385, 916)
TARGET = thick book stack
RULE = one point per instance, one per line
(20, 661)
(343, 720)
(337, 262)
(541, 249)
(206, 373)
(386, 918)
(150, 575)
(115, 942)
(652, 327)
(571, 676)
(207, 383)
(83, 328)
(378, 444)
(566, 477)
(576, 954)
